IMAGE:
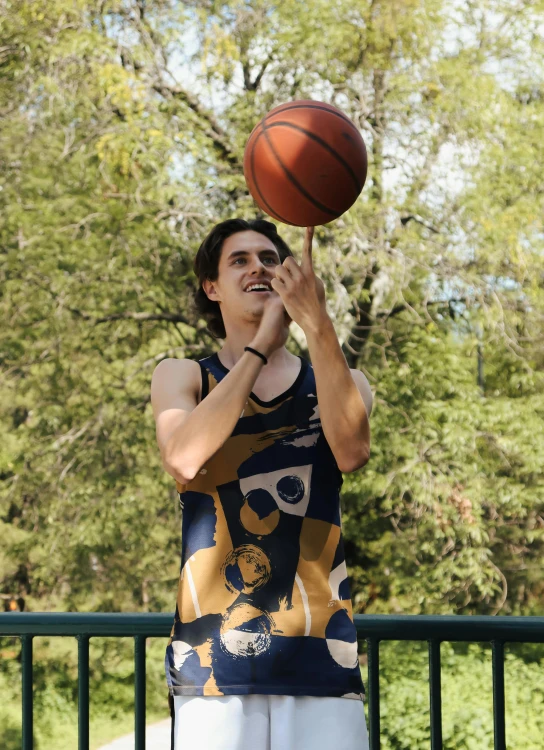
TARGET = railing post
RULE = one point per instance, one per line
(139, 692)
(28, 708)
(435, 694)
(374, 692)
(83, 691)
(499, 729)
(373, 628)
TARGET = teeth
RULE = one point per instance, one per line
(257, 286)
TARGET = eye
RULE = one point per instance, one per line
(270, 259)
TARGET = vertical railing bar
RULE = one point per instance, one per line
(374, 692)
(139, 691)
(499, 727)
(435, 694)
(27, 688)
(83, 691)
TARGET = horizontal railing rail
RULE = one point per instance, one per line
(434, 629)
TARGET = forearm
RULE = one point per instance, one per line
(212, 422)
(342, 411)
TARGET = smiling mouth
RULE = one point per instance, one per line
(262, 291)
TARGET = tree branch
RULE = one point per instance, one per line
(250, 85)
(400, 308)
(214, 131)
(419, 220)
(138, 316)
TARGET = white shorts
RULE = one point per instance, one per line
(268, 722)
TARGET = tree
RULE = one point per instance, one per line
(122, 146)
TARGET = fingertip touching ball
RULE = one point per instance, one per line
(305, 163)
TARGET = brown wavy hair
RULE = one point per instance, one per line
(206, 264)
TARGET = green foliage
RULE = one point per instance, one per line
(123, 129)
(404, 694)
(113, 170)
(111, 686)
(479, 489)
(467, 703)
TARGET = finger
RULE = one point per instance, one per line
(307, 262)
(277, 285)
(282, 275)
(292, 266)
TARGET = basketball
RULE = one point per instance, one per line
(305, 163)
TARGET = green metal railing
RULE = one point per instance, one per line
(372, 628)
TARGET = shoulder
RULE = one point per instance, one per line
(361, 381)
(182, 372)
(171, 366)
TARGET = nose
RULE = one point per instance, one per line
(257, 266)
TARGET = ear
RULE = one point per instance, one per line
(211, 291)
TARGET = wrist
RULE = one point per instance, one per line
(260, 347)
(317, 326)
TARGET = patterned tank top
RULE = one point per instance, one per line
(263, 602)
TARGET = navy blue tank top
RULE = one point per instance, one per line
(263, 602)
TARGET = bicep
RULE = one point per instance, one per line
(174, 395)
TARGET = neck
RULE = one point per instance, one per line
(232, 351)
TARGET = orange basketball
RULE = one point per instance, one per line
(305, 163)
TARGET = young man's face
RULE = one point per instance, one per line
(247, 258)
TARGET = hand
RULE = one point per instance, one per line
(302, 292)
(273, 328)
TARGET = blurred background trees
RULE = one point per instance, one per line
(123, 124)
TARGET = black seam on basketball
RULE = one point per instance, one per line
(273, 213)
(289, 107)
(294, 180)
(325, 145)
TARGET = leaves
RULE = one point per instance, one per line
(124, 130)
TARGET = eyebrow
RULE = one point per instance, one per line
(267, 251)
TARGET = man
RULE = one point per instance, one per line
(263, 650)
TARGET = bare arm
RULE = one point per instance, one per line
(344, 420)
(189, 433)
(344, 398)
